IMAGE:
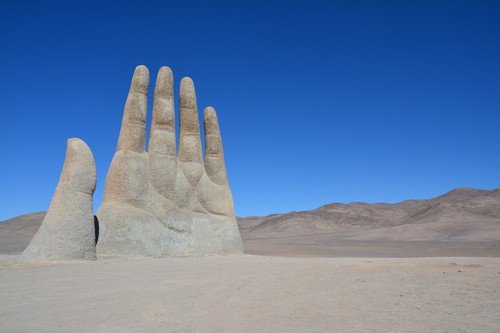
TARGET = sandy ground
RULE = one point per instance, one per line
(398, 282)
(332, 245)
(252, 294)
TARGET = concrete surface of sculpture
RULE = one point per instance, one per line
(67, 231)
(157, 202)
(160, 203)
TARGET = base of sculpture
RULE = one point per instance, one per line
(179, 235)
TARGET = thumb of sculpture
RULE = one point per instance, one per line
(67, 231)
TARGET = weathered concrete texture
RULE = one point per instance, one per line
(131, 231)
(157, 203)
(67, 231)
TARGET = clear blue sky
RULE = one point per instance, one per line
(318, 101)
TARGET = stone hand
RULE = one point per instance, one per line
(68, 231)
(158, 202)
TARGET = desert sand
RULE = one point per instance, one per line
(417, 266)
(252, 294)
(334, 246)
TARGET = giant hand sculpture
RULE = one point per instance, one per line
(156, 203)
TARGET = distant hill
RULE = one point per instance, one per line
(461, 214)
(17, 232)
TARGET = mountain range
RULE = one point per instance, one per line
(462, 214)
(463, 222)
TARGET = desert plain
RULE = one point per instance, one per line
(417, 266)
